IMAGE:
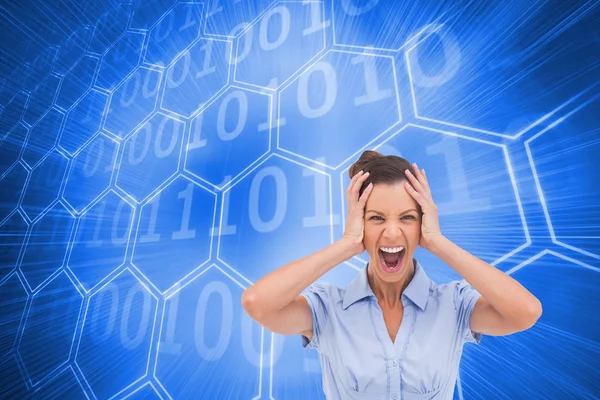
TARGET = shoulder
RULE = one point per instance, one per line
(323, 300)
(324, 291)
(453, 304)
(457, 293)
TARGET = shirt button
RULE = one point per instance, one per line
(394, 362)
(394, 396)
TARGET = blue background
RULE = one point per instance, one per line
(158, 157)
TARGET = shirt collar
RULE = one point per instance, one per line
(417, 290)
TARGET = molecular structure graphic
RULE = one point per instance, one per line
(156, 163)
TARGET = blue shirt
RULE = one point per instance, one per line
(360, 361)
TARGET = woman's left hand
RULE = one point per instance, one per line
(418, 188)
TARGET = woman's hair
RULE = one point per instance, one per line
(383, 169)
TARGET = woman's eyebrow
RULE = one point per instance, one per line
(402, 213)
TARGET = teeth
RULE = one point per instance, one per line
(392, 249)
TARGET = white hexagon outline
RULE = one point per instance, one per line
(181, 55)
(151, 327)
(450, 125)
(154, 109)
(59, 193)
(20, 366)
(52, 102)
(20, 118)
(538, 185)
(121, 154)
(61, 125)
(372, 141)
(16, 267)
(134, 235)
(97, 135)
(533, 258)
(49, 49)
(149, 384)
(23, 313)
(49, 379)
(510, 172)
(162, 320)
(18, 203)
(151, 26)
(75, 328)
(320, 53)
(88, 86)
(411, 39)
(133, 68)
(30, 228)
(17, 77)
(209, 14)
(66, 40)
(22, 147)
(240, 178)
(262, 127)
(67, 115)
(122, 8)
(71, 244)
(150, 32)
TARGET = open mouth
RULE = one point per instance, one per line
(391, 258)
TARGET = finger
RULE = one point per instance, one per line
(359, 182)
(420, 175)
(424, 182)
(353, 181)
(366, 193)
(419, 184)
(417, 196)
(415, 182)
(417, 173)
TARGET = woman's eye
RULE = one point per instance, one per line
(375, 216)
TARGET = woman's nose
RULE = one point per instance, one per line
(393, 232)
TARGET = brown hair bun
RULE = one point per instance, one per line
(366, 157)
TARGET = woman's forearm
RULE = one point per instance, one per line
(504, 293)
(279, 288)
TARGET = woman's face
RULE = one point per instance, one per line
(392, 220)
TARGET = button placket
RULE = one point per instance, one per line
(389, 348)
(406, 330)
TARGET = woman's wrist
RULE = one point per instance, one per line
(351, 246)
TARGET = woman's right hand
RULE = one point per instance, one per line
(355, 225)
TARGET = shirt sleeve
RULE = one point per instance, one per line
(317, 296)
(465, 297)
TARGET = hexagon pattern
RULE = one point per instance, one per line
(101, 239)
(159, 157)
(50, 327)
(47, 246)
(120, 319)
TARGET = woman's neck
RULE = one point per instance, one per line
(390, 293)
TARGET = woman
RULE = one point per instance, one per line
(392, 333)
